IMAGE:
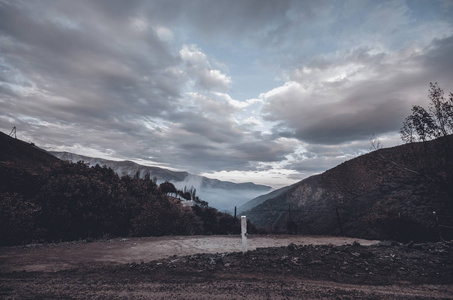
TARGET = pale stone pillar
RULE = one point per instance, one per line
(244, 233)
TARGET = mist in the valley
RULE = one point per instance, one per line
(221, 195)
(223, 199)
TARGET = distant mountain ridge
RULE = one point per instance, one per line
(125, 167)
(131, 168)
(222, 195)
(389, 193)
(262, 198)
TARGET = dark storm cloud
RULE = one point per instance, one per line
(80, 76)
(263, 151)
(103, 66)
(337, 126)
(356, 107)
(230, 157)
(438, 60)
(98, 72)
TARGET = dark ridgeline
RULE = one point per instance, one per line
(45, 199)
(23, 153)
(390, 193)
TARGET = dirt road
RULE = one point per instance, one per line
(173, 268)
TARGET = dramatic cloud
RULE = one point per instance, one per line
(356, 94)
(269, 91)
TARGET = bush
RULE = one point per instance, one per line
(17, 219)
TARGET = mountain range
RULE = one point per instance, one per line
(223, 195)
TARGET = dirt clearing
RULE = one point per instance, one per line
(61, 256)
(280, 267)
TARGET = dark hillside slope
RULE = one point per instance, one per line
(260, 199)
(388, 194)
(23, 153)
(46, 199)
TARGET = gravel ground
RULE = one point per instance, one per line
(63, 256)
(370, 270)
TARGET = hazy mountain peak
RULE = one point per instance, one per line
(223, 195)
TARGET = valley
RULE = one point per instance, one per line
(222, 195)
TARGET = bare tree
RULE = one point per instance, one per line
(441, 109)
(423, 125)
(376, 143)
(408, 131)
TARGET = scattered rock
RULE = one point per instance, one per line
(378, 265)
(385, 244)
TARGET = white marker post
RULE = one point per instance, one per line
(244, 233)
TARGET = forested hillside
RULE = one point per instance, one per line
(223, 195)
(52, 200)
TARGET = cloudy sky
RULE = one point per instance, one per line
(240, 90)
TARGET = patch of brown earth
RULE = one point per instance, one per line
(379, 271)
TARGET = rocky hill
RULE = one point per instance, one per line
(223, 195)
(389, 193)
